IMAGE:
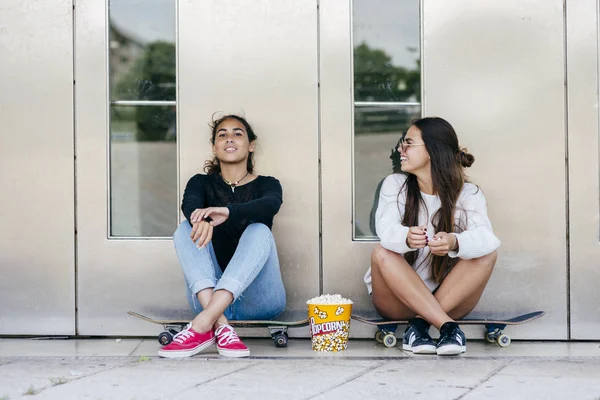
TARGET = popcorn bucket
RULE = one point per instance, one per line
(329, 324)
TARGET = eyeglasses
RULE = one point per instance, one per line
(402, 145)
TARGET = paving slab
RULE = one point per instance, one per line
(548, 379)
(297, 379)
(419, 379)
(130, 369)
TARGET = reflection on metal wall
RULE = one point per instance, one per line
(37, 285)
(143, 119)
(387, 94)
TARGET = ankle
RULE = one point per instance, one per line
(448, 325)
(421, 322)
(200, 324)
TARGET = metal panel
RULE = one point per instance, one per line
(584, 201)
(114, 276)
(495, 71)
(222, 67)
(344, 261)
(37, 283)
(259, 59)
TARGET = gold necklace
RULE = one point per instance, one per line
(234, 184)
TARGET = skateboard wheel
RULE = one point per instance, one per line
(280, 340)
(165, 338)
(389, 340)
(379, 336)
(490, 337)
(504, 340)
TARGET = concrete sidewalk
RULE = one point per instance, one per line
(129, 369)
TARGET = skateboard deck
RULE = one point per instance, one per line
(277, 327)
(494, 326)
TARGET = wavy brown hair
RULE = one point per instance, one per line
(213, 166)
(448, 177)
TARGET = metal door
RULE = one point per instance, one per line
(497, 74)
(256, 58)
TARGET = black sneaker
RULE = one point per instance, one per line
(452, 340)
(416, 337)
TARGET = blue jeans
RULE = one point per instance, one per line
(252, 275)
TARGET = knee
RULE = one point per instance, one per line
(183, 231)
(487, 261)
(259, 230)
(380, 256)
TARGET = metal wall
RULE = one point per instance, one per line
(495, 71)
(37, 282)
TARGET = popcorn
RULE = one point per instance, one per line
(329, 317)
(335, 341)
(329, 299)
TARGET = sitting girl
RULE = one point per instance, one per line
(437, 248)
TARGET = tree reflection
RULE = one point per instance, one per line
(376, 78)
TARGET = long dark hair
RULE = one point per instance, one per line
(448, 178)
(213, 166)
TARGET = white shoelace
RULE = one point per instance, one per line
(228, 337)
(183, 335)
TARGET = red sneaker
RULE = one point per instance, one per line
(187, 343)
(229, 343)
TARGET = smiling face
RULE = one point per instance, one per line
(413, 152)
(231, 142)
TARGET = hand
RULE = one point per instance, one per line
(417, 237)
(442, 243)
(218, 215)
(201, 233)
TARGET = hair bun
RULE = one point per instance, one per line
(465, 158)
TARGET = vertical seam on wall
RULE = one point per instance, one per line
(320, 173)
(567, 186)
(75, 239)
(422, 54)
(177, 115)
(597, 91)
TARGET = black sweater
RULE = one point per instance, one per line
(256, 201)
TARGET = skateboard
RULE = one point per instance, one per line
(493, 327)
(277, 327)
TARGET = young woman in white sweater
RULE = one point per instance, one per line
(437, 248)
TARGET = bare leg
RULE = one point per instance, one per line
(399, 293)
(217, 304)
(204, 297)
(461, 290)
(391, 270)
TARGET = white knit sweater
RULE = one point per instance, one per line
(475, 241)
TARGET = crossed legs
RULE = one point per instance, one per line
(399, 293)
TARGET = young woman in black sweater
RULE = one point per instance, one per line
(225, 246)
